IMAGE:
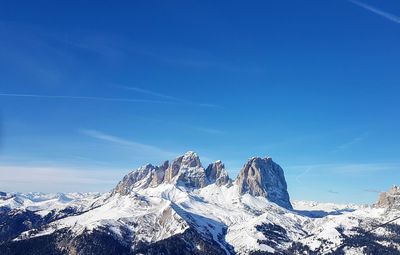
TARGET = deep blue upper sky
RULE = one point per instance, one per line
(90, 90)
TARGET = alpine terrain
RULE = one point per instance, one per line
(183, 207)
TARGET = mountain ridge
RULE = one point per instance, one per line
(180, 207)
(258, 177)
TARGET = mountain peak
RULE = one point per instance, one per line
(138, 178)
(191, 159)
(259, 177)
(216, 173)
(190, 154)
(390, 199)
(263, 177)
(187, 171)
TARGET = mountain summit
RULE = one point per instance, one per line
(259, 177)
(187, 171)
(263, 177)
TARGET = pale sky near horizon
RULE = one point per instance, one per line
(90, 91)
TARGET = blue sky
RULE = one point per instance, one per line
(92, 90)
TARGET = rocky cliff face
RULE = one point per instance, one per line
(139, 178)
(217, 174)
(187, 171)
(390, 199)
(259, 177)
(263, 177)
(144, 177)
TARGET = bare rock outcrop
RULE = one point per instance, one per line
(144, 177)
(158, 174)
(259, 177)
(187, 171)
(216, 173)
(141, 177)
(263, 177)
(390, 199)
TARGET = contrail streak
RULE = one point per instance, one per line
(111, 99)
(152, 93)
(379, 12)
(88, 98)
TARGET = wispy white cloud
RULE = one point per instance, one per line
(377, 11)
(192, 58)
(146, 150)
(302, 174)
(298, 140)
(152, 93)
(346, 168)
(333, 192)
(372, 190)
(350, 143)
(209, 130)
(129, 100)
(135, 146)
(47, 178)
(168, 97)
(110, 99)
(364, 168)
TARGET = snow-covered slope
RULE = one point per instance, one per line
(183, 208)
(43, 204)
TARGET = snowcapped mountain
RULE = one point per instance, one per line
(183, 208)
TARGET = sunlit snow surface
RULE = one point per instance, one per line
(154, 214)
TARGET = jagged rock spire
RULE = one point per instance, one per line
(217, 174)
(187, 171)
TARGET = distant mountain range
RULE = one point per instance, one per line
(180, 207)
